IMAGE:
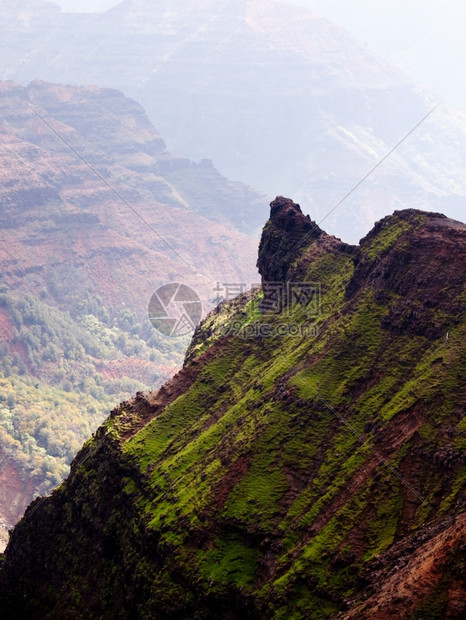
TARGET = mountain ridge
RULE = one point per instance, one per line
(281, 474)
(273, 94)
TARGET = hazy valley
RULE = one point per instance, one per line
(275, 95)
(79, 267)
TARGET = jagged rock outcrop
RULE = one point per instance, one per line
(283, 238)
(422, 289)
(282, 472)
(288, 236)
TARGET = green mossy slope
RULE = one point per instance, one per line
(274, 475)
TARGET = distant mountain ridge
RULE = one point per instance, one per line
(275, 95)
(45, 187)
(283, 472)
(78, 267)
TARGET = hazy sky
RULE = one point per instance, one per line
(86, 5)
(424, 38)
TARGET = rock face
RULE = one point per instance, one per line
(275, 95)
(416, 272)
(308, 472)
(286, 236)
(282, 239)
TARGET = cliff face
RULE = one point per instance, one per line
(313, 469)
(285, 237)
(282, 240)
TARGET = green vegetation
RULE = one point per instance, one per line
(276, 476)
(56, 383)
(390, 234)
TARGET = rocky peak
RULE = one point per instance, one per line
(291, 242)
(285, 235)
(414, 261)
(284, 210)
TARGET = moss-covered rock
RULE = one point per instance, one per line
(283, 473)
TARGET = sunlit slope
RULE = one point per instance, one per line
(288, 476)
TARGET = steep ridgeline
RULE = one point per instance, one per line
(307, 462)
